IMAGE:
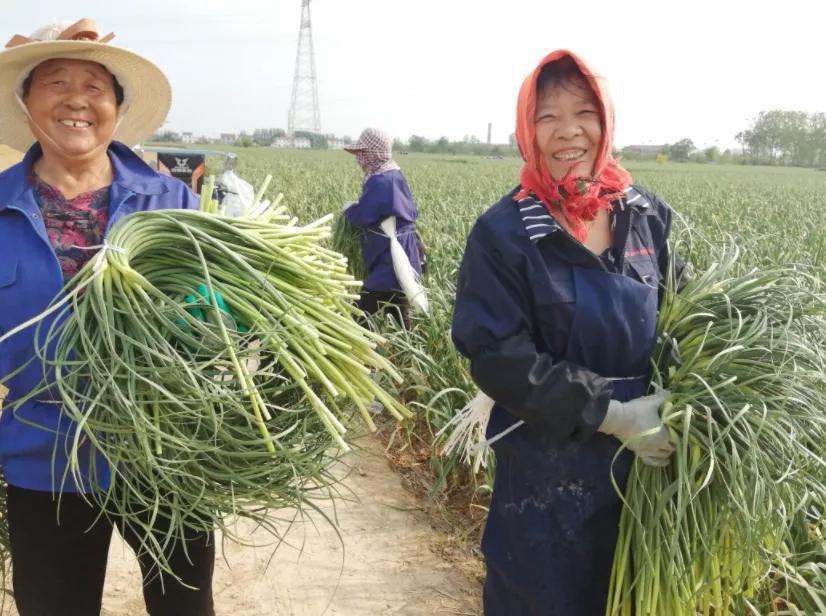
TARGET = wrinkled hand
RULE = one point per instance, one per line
(628, 421)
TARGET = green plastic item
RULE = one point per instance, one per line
(196, 304)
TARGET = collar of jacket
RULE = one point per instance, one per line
(130, 175)
(539, 223)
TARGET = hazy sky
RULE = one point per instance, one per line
(700, 69)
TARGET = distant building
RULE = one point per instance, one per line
(228, 138)
(336, 144)
(187, 138)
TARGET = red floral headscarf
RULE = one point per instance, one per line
(579, 197)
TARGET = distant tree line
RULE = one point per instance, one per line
(794, 138)
(166, 136)
(791, 138)
(786, 138)
(470, 145)
(682, 151)
(265, 136)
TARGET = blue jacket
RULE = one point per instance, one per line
(515, 301)
(30, 278)
(385, 194)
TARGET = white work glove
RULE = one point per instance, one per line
(627, 420)
(348, 205)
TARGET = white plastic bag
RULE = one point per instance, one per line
(239, 195)
(408, 277)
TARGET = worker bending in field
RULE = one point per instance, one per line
(74, 104)
(556, 308)
(387, 213)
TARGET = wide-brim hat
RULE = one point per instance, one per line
(372, 140)
(147, 95)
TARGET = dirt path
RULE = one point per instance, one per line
(386, 565)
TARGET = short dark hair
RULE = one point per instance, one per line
(27, 85)
(560, 72)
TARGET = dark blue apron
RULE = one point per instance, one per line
(552, 526)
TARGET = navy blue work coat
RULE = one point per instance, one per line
(30, 278)
(515, 301)
(385, 194)
(553, 332)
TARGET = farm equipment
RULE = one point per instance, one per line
(234, 194)
(189, 166)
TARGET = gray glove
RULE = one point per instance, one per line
(628, 420)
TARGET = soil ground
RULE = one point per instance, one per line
(388, 559)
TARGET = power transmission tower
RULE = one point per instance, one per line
(304, 114)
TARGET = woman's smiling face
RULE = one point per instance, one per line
(72, 106)
(568, 128)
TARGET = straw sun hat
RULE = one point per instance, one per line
(147, 95)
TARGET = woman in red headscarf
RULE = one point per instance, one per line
(556, 308)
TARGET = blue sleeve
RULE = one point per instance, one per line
(191, 200)
(188, 200)
(492, 326)
(490, 297)
(178, 195)
(382, 196)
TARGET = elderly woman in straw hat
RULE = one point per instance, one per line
(74, 104)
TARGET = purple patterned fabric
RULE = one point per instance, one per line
(72, 224)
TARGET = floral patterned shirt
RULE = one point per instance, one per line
(72, 224)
